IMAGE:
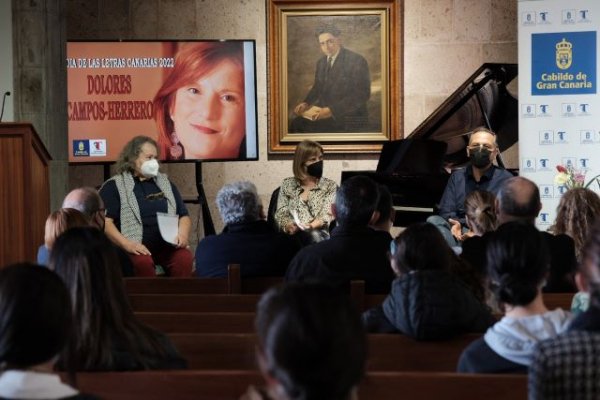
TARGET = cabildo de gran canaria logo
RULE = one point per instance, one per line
(564, 54)
(563, 63)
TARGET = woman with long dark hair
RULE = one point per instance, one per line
(107, 336)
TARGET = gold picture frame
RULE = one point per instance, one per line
(363, 114)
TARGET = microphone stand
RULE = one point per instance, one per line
(3, 100)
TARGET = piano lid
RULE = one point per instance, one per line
(482, 100)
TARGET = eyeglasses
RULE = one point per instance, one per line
(327, 42)
(488, 147)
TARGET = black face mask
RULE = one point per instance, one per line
(315, 170)
(480, 157)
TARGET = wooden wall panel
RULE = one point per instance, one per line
(24, 192)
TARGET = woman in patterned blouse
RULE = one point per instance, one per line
(304, 203)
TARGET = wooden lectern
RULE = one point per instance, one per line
(24, 192)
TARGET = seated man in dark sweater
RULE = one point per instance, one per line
(247, 238)
(355, 251)
(519, 200)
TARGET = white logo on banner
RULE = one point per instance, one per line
(583, 109)
(546, 137)
(544, 110)
(568, 17)
(528, 164)
(544, 218)
(568, 109)
(569, 162)
(528, 110)
(543, 18)
(562, 137)
(584, 16)
(528, 18)
(546, 191)
(544, 165)
(587, 136)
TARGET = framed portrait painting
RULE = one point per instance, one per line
(335, 70)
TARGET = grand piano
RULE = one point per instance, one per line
(416, 168)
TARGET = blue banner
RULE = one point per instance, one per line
(563, 63)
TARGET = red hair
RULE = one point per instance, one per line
(192, 62)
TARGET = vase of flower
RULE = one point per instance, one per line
(570, 177)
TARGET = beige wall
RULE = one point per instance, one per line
(444, 42)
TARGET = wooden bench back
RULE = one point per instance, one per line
(231, 284)
(229, 385)
(182, 322)
(386, 352)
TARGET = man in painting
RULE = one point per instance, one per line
(337, 101)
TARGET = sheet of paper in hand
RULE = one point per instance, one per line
(168, 225)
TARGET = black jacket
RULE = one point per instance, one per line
(429, 305)
(258, 249)
(479, 358)
(562, 260)
(352, 253)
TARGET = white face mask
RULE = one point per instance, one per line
(149, 168)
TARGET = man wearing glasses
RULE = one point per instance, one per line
(480, 174)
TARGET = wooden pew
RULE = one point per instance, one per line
(229, 385)
(552, 300)
(558, 300)
(386, 352)
(232, 284)
(167, 300)
(247, 302)
(182, 322)
(194, 302)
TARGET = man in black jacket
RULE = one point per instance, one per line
(247, 238)
(355, 251)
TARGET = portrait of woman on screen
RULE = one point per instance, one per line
(200, 108)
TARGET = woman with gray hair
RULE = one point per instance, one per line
(132, 198)
(247, 238)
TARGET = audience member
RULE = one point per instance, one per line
(35, 325)
(304, 202)
(385, 208)
(57, 222)
(519, 200)
(566, 367)
(311, 344)
(427, 301)
(247, 238)
(481, 217)
(517, 261)
(133, 197)
(480, 174)
(107, 336)
(355, 251)
(88, 201)
(575, 215)
(480, 212)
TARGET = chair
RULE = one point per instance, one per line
(273, 209)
